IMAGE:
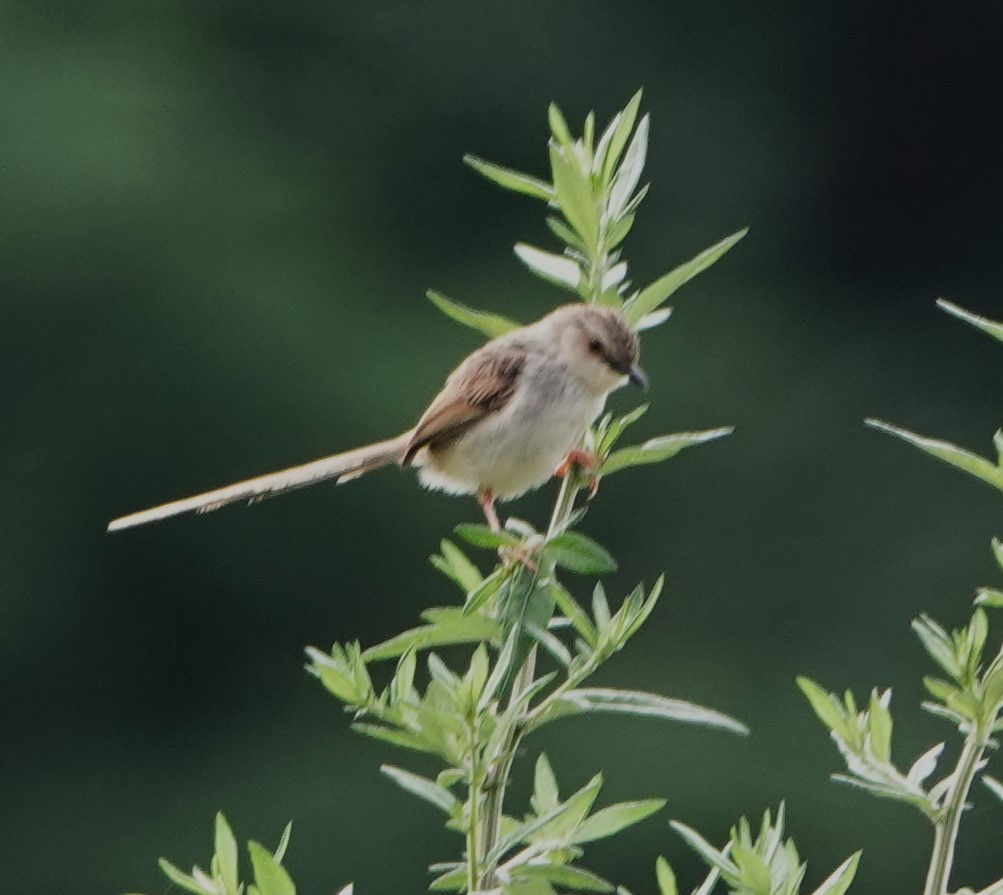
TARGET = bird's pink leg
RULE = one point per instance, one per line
(486, 499)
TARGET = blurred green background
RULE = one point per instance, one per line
(218, 221)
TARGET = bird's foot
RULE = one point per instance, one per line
(585, 461)
(525, 553)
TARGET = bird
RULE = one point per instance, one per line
(513, 414)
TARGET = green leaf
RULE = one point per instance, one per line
(226, 854)
(570, 816)
(579, 553)
(655, 318)
(564, 876)
(511, 180)
(656, 450)
(989, 596)
(545, 793)
(564, 233)
(650, 705)
(550, 643)
(827, 707)
(842, 876)
(949, 453)
(997, 545)
(629, 173)
(651, 297)
(423, 788)
(984, 323)
(578, 617)
(666, 878)
(574, 195)
(401, 738)
(615, 138)
(615, 818)
(451, 627)
(523, 832)
(490, 586)
(280, 850)
(454, 880)
(558, 126)
(938, 645)
(454, 563)
(490, 324)
(557, 269)
(879, 726)
(182, 879)
(482, 536)
(270, 877)
(994, 786)
(702, 847)
(617, 233)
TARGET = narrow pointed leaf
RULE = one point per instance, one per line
(614, 818)
(511, 180)
(564, 876)
(226, 854)
(949, 453)
(484, 322)
(574, 194)
(655, 318)
(280, 850)
(480, 535)
(650, 705)
(545, 792)
(656, 450)
(841, 877)
(702, 847)
(629, 174)
(620, 128)
(994, 786)
(665, 877)
(557, 269)
(653, 296)
(423, 788)
(270, 877)
(578, 617)
(455, 564)
(989, 596)
(456, 627)
(579, 553)
(180, 878)
(994, 328)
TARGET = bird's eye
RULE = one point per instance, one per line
(595, 346)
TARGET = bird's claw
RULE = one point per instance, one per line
(587, 462)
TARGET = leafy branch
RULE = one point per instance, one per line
(520, 614)
(969, 694)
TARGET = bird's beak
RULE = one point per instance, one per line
(638, 377)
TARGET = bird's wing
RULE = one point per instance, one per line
(481, 385)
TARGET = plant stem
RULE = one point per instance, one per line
(494, 792)
(946, 827)
(473, 836)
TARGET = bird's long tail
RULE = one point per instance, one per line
(344, 467)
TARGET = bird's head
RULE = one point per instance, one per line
(599, 346)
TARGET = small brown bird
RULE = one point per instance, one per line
(503, 422)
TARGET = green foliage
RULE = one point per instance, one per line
(593, 190)
(520, 645)
(766, 864)
(970, 695)
(222, 878)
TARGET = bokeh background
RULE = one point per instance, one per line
(218, 222)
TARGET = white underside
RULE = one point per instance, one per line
(519, 447)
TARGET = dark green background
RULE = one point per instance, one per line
(217, 222)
